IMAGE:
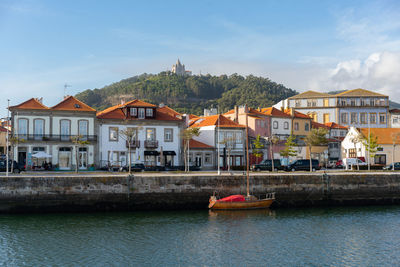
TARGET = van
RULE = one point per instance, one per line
(303, 165)
(266, 165)
(348, 162)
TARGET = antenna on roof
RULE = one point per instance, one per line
(65, 89)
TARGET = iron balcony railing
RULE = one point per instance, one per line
(53, 137)
(150, 144)
(134, 144)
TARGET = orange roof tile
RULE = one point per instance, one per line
(385, 135)
(334, 125)
(359, 92)
(2, 129)
(70, 103)
(216, 120)
(197, 144)
(32, 103)
(169, 111)
(192, 116)
(297, 114)
(271, 111)
(317, 125)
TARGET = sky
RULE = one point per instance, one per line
(304, 45)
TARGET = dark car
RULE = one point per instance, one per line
(303, 165)
(17, 168)
(136, 167)
(266, 165)
(390, 166)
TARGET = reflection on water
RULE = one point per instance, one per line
(288, 237)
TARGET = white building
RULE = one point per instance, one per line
(52, 130)
(156, 140)
(179, 69)
(394, 118)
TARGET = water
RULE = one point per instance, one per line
(367, 236)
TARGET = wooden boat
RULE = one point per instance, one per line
(239, 202)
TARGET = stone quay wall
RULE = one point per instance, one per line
(152, 191)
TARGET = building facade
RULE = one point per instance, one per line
(154, 140)
(66, 132)
(179, 69)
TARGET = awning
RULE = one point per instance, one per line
(151, 153)
(169, 153)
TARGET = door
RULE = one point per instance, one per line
(82, 158)
(198, 160)
(326, 117)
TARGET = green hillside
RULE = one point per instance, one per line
(189, 94)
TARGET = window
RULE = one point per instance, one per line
(150, 134)
(296, 126)
(326, 117)
(342, 133)
(379, 149)
(286, 125)
(141, 113)
(372, 102)
(326, 102)
(133, 112)
(309, 103)
(395, 120)
(372, 118)
(238, 137)
(113, 133)
(65, 129)
(149, 112)
(352, 153)
(22, 127)
(83, 126)
(168, 135)
(382, 118)
(307, 127)
(363, 118)
(353, 117)
(208, 158)
(353, 102)
(344, 117)
(297, 103)
(275, 125)
(38, 128)
(343, 102)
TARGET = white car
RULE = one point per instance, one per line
(348, 162)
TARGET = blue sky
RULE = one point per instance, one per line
(305, 45)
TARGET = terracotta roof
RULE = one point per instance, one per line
(317, 125)
(334, 125)
(252, 111)
(197, 144)
(297, 114)
(274, 112)
(395, 110)
(192, 116)
(359, 92)
(32, 103)
(385, 135)
(116, 112)
(215, 120)
(310, 94)
(2, 129)
(70, 103)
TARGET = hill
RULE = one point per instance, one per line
(189, 94)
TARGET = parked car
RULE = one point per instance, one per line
(390, 166)
(303, 165)
(266, 165)
(17, 168)
(331, 164)
(348, 162)
(339, 164)
(136, 167)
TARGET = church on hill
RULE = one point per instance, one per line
(179, 69)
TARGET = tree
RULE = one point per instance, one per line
(315, 137)
(396, 140)
(371, 146)
(130, 135)
(258, 146)
(187, 134)
(78, 141)
(289, 150)
(228, 142)
(273, 139)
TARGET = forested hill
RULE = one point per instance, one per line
(189, 94)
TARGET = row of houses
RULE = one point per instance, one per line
(157, 131)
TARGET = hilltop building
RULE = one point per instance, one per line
(179, 69)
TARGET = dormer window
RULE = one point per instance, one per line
(149, 112)
(141, 113)
(77, 106)
(133, 112)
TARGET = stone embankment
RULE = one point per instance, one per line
(152, 191)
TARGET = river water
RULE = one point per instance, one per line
(352, 236)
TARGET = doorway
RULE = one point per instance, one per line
(82, 158)
(198, 160)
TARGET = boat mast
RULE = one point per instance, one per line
(247, 152)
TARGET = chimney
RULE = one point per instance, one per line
(236, 118)
(161, 105)
(122, 101)
(40, 100)
(291, 112)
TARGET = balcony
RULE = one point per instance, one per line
(54, 137)
(150, 144)
(133, 144)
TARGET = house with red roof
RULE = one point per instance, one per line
(225, 136)
(38, 128)
(3, 140)
(156, 135)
